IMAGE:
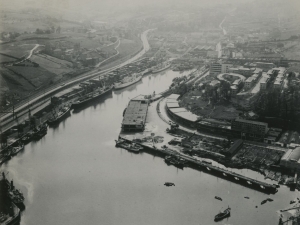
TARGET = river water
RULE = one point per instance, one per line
(75, 175)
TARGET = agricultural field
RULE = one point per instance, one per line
(16, 49)
(35, 76)
(293, 53)
(4, 58)
(53, 65)
(128, 47)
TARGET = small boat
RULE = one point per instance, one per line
(246, 197)
(217, 197)
(222, 215)
(225, 174)
(236, 178)
(130, 147)
(249, 182)
(270, 199)
(17, 149)
(169, 184)
(262, 187)
(264, 201)
(208, 168)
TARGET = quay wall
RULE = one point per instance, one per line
(208, 168)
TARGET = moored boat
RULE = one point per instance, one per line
(57, 117)
(16, 149)
(161, 68)
(127, 82)
(222, 215)
(133, 147)
(88, 98)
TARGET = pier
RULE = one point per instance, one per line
(220, 172)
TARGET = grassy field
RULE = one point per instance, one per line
(53, 65)
(36, 76)
(13, 83)
(17, 49)
(128, 47)
(293, 53)
(196, 104)
(4, 58)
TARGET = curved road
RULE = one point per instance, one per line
(7, 117)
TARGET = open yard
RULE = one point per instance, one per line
(203, 107)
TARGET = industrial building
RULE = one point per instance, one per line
(135, 114)
(219, 67)
(249, 129)
(291, 159)
(237, 145)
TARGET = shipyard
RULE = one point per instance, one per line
(129, 113)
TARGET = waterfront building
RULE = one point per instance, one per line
(250, 129)
(291, 159)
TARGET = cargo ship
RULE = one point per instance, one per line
(39, 132)
(88, 98)
(60, 115)
(161, 67)
(127, 81)
(14, 194)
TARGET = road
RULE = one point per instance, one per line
(222, 28)
(22, 107)
(111, 56)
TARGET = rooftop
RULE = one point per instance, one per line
(251, 121)
(173, 96)
(292, 155)
(188, 116)
(136, 112)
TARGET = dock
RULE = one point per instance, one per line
(220, 172)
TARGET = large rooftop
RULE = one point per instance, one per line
(136, 112)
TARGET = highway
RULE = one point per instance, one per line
(22, 107)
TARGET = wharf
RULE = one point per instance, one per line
(225, 174)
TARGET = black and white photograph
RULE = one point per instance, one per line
(150, 112)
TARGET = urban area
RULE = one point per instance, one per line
(233, 106)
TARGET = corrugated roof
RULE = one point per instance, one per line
(295, 154)
(173, 96)
(188, 116)
(176, 110)
(251, 121)
(172, 105)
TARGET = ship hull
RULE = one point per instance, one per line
(162, 69)
(60, 118)
(78, 105)
(126, 84)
